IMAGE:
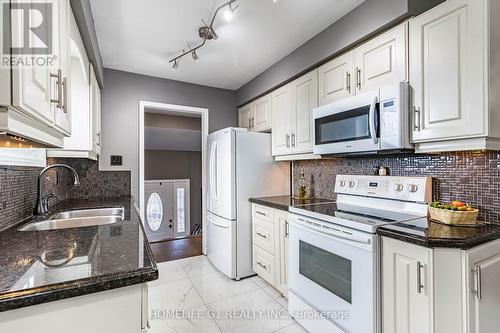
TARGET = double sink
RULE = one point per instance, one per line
(77, 218)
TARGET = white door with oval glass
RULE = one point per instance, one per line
(167, 209)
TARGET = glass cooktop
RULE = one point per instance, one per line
(356, 217)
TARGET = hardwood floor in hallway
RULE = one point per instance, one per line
(177, 248)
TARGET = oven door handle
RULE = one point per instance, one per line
(309, 226)
(373, 130)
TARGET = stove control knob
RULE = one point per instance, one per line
(413, 188)
(399, 187)
(342, 183)
(351, 184)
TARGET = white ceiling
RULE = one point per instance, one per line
(142, 36)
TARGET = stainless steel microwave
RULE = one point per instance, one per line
(368, 123)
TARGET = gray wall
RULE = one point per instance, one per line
(85, 22)
(171, 164)
(120, 112)
(364, 21)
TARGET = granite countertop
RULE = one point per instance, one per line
(44, 266)
(440, 235)
(283, 202)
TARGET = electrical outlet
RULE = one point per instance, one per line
(116, 160)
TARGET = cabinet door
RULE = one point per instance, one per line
(304, 99)
(483, 294)
(281, 119)
(95, 109)
(261, 120)
(383, 60)
(244, 116)
(336, 80)
(447, 73)
(406, 287)
(281, 223)
(31, 85)
(61, 37)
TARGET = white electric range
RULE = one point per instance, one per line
(333, 258)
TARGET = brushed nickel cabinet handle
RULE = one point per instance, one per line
(262, 265)
(260, 213)
(477, 274)
(293, 140)
(288, 140)
(420, 286)
(261, 235)
(417, 118)
(349, 83)
(358, 78)
(286, 229)
(58, 77)
(65, 93)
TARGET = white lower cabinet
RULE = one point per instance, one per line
(440, 290)
(118, 310)
(270, 245)
(483, 292)
(406, 286)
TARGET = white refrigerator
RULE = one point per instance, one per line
(240, 166)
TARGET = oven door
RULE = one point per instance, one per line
(334, 272)
(348, 126)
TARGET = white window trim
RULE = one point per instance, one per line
(32, 157)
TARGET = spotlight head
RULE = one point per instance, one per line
(195, 56)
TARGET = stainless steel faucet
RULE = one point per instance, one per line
(42, 204)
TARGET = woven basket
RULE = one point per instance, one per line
(454, 216)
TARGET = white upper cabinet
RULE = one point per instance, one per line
(261, 114)
(448, 71)
(95, 110)
(61, 110)
(256, 116)
(244, 117)
(336, 80)
(35, 98)
(292, 104)
(304, 100)
(379, 62)
(454, 57)
(85, 101)
(31, 85)
(382, 60)
(281, 120)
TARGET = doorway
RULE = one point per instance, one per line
(172, 178)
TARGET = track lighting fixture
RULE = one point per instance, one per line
(195, 56)
(175, 65)
(206, 32)
(229, 13)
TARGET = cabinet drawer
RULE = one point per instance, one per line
(263, 264)
(263, 234)
(262, 212)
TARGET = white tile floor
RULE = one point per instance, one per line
(191, 296)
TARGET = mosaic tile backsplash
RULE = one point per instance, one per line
(18, 186)
(473, 177)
